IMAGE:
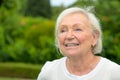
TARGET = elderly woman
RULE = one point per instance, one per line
(79, 37)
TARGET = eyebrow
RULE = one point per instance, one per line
(64, 25)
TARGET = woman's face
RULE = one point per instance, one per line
(75, 35)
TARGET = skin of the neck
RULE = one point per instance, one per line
(82, 65)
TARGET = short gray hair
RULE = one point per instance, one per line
(95, 25)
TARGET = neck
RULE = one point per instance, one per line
(82, 65)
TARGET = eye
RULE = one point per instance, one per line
(63, 30)
(78, 29)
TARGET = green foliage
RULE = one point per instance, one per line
(9, 20)
(109, 16)
(7, 78)
(1, 37)
(38, 8)
(40, 39)
(36, 44)
(28, 40)
(19, 70)
(56, 11)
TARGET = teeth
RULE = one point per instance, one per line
(70, 45)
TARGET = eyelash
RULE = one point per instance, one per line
(66, 30)
(78, 29)
(63, 31)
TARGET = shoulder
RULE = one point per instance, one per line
(114, 69)
(50, 68)
(115, 73)
(52, 64)
(109, 62)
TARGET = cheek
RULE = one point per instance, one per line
(84, 37)
(61, 39)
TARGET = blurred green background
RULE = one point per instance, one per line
(27, 34)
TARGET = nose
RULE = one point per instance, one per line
(70, 35)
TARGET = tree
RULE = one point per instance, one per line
(38, 8)
(9, 25)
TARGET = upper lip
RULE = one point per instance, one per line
(71, 44)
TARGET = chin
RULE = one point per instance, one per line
(71, 54)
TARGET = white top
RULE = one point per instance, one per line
(56, 70)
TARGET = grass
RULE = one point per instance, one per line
(14, 79)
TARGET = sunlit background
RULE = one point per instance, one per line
(62, 2)
(27, 33)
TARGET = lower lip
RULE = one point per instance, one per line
(72, 47)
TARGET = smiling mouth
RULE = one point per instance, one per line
(71, 45)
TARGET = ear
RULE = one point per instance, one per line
(95, 38)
